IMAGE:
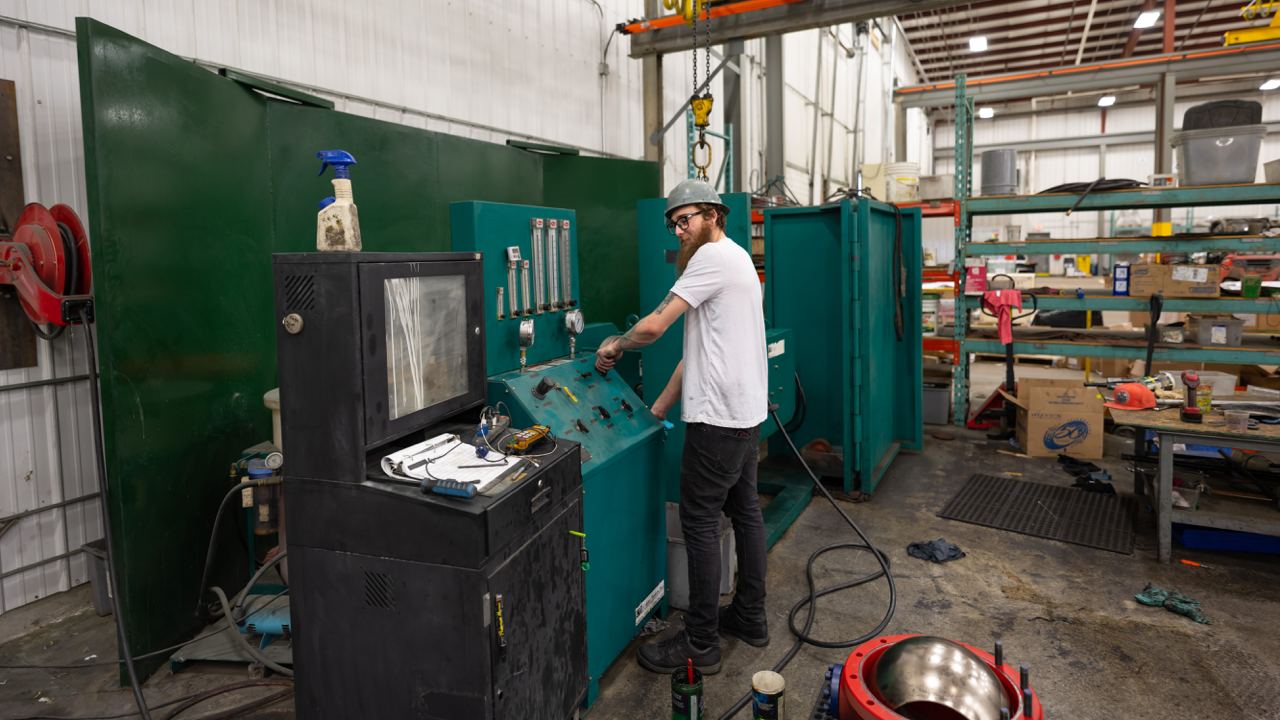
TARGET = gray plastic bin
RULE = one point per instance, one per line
(1218, 156)
(678, 561)
(95, 554)
(1226, 331)
(937, 404)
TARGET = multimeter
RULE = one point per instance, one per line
(522, 440)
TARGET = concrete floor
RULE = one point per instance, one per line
(1067, 611)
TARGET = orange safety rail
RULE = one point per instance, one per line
(668, 21)
(949, 345)
(936, 208)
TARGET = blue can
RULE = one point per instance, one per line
(767, 695)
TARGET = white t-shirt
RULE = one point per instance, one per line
(726, 373)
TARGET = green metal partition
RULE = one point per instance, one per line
(194, 179)
(606, 231)
(830, 278)
(179, 216)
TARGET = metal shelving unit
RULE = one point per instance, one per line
(1138, 199)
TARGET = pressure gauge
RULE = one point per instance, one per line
(274, 460)
(573, 322)
(526, 332)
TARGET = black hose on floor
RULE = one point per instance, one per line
(100, 458)
(810, 601)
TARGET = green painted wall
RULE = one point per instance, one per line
(603, 193)
(193, 181)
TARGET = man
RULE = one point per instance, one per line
(722, 385)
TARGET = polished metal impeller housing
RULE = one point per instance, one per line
(929, 677)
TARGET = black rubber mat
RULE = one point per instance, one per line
(1048, 511)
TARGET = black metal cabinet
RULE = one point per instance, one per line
(397, 598)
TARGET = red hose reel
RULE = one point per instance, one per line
(47, 261)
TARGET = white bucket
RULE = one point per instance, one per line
(903, 180)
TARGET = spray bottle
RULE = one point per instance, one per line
(338, 225)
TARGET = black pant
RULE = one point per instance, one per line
(718, 474)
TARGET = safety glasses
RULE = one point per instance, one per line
(682, 221)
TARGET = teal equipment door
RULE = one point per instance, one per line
(831, 275)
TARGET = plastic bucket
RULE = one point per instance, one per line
(903, 180)
(1219, 156)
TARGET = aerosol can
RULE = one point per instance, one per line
(337, 224)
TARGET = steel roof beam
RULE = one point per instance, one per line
(1009, 35)
(1096, 76)
(782, 19)
(1030, 60)
(976, 18)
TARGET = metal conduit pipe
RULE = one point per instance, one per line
(47, 382)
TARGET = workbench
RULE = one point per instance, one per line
(1215, 511)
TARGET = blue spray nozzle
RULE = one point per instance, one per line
(341, 160)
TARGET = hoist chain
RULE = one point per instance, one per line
(702, 103)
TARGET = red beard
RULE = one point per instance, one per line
(690, 245)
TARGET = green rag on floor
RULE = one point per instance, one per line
(1173, 601)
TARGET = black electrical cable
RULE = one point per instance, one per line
(53, 334)
(810, 601)
(802, 407)
(899, 276)
(213, 536)
(1155, 306)
(95, 408)
(153, 653)
(237, 711)
(200, 696)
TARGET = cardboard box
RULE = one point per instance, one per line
(1139, 318)
(1112, 367)
(1258, 377)
(1059, 417)
(1146, 279)
(1261, 323)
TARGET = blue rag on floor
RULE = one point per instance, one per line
(938, 551)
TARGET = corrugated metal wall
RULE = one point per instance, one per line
(487, 70)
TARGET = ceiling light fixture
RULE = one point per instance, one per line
(1271, 84)
(986, 113)
(1146, 19)
(1106, 101)
(977, 43)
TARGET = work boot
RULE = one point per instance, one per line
(665, 656)
(752, 634)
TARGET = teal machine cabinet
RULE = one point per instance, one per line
(656, 260)
(838, 276)
(556, 385)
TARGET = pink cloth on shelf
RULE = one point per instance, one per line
(1001, 303)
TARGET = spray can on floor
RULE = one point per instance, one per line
(686, 694)
(767, 695)
(337, 224)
